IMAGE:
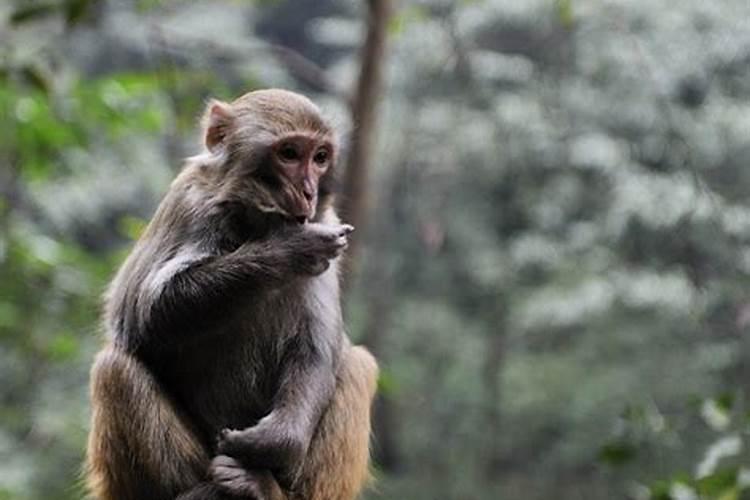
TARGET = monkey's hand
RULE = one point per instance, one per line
(232, 477)
(267, 445)
(314, 245)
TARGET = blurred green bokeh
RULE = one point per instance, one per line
(555, 273)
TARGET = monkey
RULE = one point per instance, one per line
(226, 372)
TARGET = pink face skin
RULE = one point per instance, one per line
(301, 161)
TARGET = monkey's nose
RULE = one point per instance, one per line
(308, 195)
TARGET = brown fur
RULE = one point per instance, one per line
(227, 374)
(345, 432)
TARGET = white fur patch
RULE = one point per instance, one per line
(158, 277)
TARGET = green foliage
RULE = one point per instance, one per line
(406, 16)
(561, 234)
(565, 12)
(618, 453)
(72, 11)
(33, 11)
(720, 471)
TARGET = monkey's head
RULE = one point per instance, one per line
(275, 150)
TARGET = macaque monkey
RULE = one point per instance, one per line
(227, 373)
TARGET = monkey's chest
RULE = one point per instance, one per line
(229, 378)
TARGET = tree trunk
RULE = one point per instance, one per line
(355, 200)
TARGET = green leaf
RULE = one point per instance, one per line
(63, 346)
(565, 12)
(617, 453)
(132, 227)
(716, 413)
(660, 491)
(387, 385)
(9, 315)
(399, 22)
(725, 401)
(36, 78)
(76, 10)
(33, 12)
(718, 483)
(730, 494)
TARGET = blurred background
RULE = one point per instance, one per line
(552, 198)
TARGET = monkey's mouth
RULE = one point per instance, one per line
(290, 220)
(301, 212)
(299, 217)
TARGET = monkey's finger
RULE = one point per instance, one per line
(334, 249)
(341, 244)
(230, 475)
(223, 461)
(227, 472)
(228, 434)
(228, 441)
(332, 232)
(343, 230)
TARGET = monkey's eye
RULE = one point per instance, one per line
(321, 157)
(289, 153)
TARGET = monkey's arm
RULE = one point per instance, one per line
(194, 288)
(280, 440)
(190, 291)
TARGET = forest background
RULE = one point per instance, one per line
(552, 196)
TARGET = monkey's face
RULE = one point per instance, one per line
(278, 149)
(292, 172)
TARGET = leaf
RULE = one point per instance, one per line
(730, 494)
(660, 491)
(33, 12)
(9, 315)
(727, 446)
(617, 453)
(716, 413)
(681, 490)
(36, 78)
(132, 227)
(387, 384)
(725, 401)
(76, 10)
(565, 12)
(62, 347)
(399, 22)
(717, 483)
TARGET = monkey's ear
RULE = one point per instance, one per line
(217, 121)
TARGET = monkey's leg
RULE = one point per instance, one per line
(139, 447)
(337, 464)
